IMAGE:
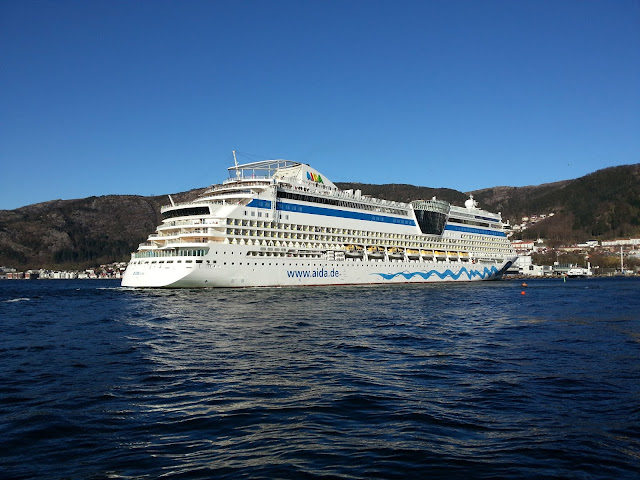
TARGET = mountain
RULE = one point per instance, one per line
(79, 233)
(604, 204)
(86, 232)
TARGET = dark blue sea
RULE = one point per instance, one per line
(470, 380)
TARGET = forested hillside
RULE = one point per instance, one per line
(604, 204)
(79, 233)
(90, 231)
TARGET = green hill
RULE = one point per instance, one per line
(86, 232)
(602, 205)
(79, 233)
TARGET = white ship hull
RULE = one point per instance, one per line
(284, 272)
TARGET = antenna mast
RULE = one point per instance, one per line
(235, 160)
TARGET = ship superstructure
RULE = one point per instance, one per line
(282, 223)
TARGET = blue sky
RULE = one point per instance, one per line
(151, 97)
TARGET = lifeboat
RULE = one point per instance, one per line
(375, 251)
(413, 254)
(439, 254)
(354, 251)
(427, 253)
(396, 253)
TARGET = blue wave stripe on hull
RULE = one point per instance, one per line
(447, 273)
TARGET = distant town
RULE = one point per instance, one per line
(618, 257)
(615, 257)
(102, 272)
(623, 253)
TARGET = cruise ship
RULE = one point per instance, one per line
(278, 223)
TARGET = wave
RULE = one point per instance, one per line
(488, 272)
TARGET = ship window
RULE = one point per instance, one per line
(186, 212)
(198, 261)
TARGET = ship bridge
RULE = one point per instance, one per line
(432, 215)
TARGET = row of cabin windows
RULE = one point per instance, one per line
(140, 262)
(181, 252)
(361, 237)
(340, 203)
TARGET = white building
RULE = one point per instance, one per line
(525, 266)
(589, 244)
(523, 247)
(621, 242)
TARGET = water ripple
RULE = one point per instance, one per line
(438, 381)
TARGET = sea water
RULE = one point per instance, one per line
(467, 380)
